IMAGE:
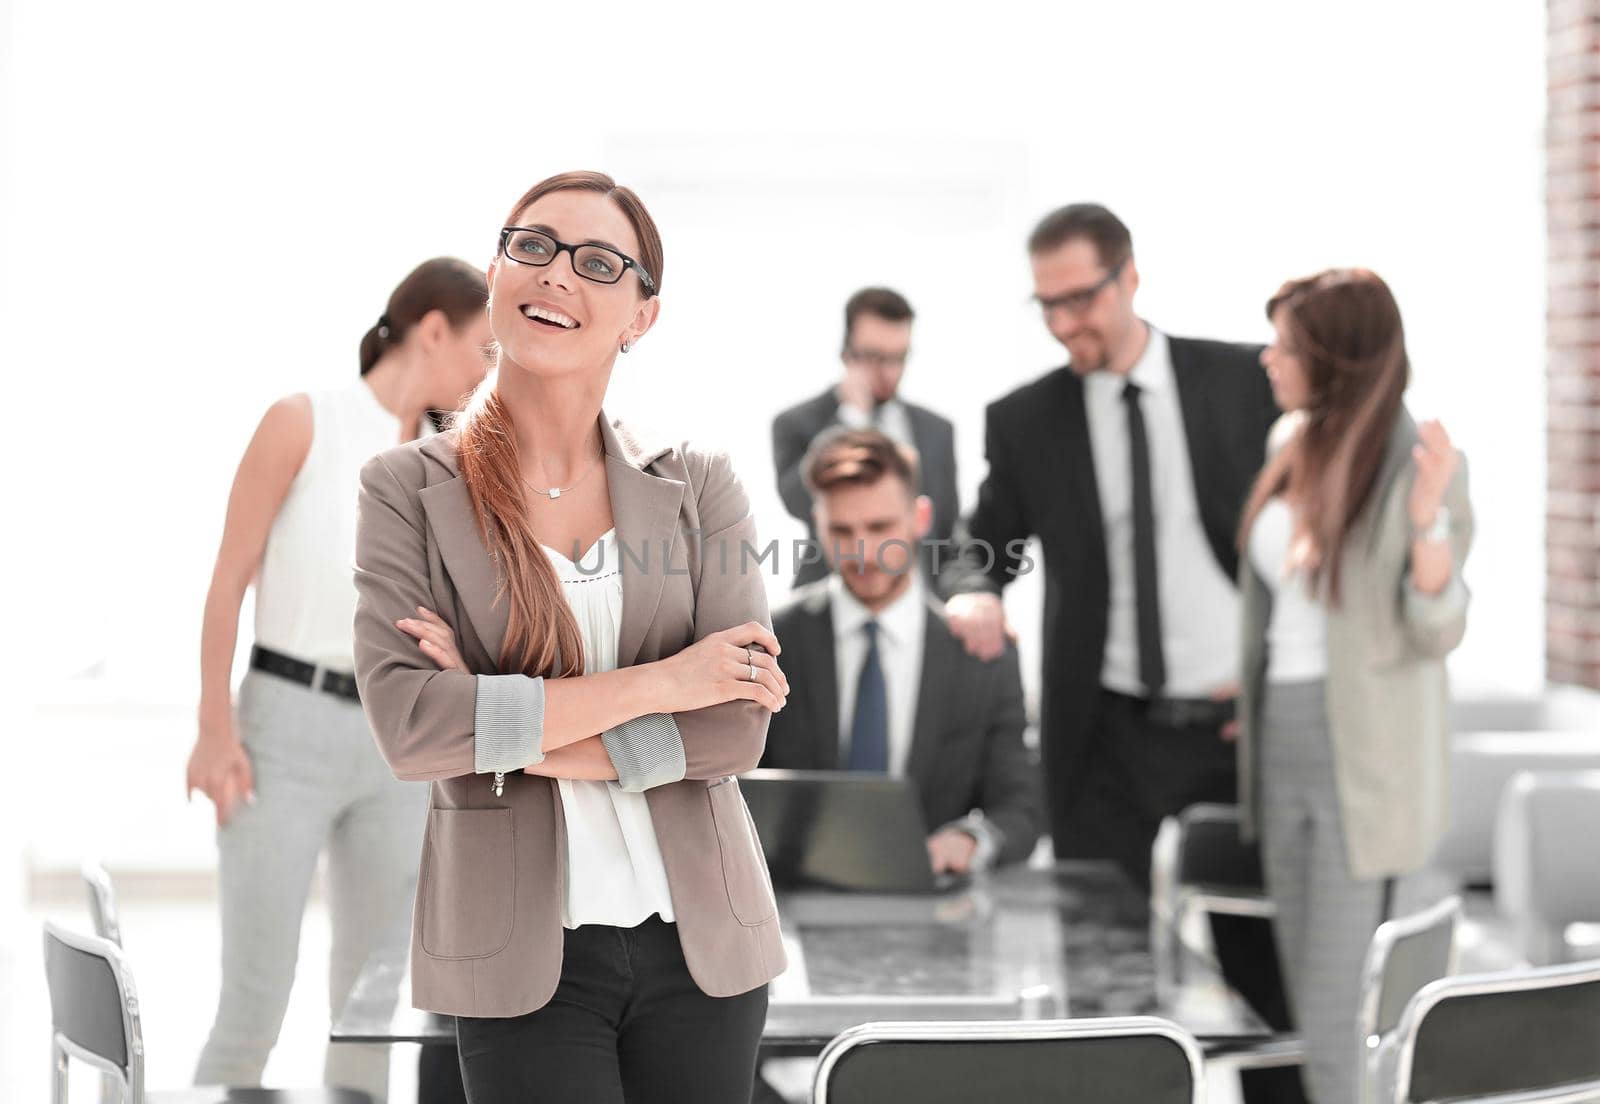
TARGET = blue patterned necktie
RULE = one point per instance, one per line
(869, 734)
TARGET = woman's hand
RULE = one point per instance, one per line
(1437, 461)
(717, 670)
(219, 767)
(436, 639)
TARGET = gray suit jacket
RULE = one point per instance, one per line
(966, 747)
(935, 440)
(486, 931)
(1386, 688)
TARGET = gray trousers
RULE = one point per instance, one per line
(320, 783)
(1325, 917)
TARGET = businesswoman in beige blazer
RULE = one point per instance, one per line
(1354, 534)
(559, 628)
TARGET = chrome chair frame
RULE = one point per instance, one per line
(1175, 904)
(102, 902)
(1009, 1031)
(1372, 1041)
(1507, 981)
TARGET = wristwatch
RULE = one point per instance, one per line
(1438, 531)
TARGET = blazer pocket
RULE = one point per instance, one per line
(744, 868)
(468, 882)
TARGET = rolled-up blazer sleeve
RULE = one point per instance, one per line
(425, 720)
(1435, 623)
(730, 590)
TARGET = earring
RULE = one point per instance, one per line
(626, 345)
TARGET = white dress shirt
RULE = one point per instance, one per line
(1199, 603)
(901, 625)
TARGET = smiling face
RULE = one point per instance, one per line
(1094, 332)
(549, 320)
(884, 521)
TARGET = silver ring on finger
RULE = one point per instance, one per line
(748, 658)
(752, 672)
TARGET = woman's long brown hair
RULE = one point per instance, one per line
(542, 637)
(1343, 325)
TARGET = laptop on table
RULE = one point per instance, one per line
(842, 830)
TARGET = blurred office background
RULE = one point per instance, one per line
(204, 206)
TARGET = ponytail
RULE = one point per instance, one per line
(444, 284)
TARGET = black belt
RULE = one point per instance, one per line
(1178, 712)
(336, 683)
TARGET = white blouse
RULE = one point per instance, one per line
(1297, 633)
(614, 871)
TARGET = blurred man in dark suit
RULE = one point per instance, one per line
(882, 684)
(877, 343)
(1130, 465)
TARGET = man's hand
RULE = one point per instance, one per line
(1230, 729)
(855, 390)
(979, 622)
(950, 850)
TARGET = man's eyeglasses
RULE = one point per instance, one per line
(872, 358)
(1077, 302)
(599, 263)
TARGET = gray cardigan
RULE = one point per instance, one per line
(1386, 688)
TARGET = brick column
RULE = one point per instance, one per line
(1572, 202)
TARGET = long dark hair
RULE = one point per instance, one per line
(1344, 326)
(443, 283)
(540, 631)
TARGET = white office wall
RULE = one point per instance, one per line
(207, 205)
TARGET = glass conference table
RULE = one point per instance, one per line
(1070, 941)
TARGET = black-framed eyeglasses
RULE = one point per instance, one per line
(1077, 302)
(874, 358)
(599, 263)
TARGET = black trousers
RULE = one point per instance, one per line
(627, 1025)
(1139, 772)
(1136, 772)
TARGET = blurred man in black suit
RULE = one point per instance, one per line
(1130, 465)
(877, 343)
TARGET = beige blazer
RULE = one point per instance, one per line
(1386, 689)
(486, 930)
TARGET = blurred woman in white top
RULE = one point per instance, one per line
(290, 765)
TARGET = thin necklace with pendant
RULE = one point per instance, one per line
(557, 492)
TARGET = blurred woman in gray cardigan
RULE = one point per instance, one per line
(1354, 534)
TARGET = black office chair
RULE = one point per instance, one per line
(1201, 868)
(1207, 889)
(1524, 1035)
(1140, 1058)
(94, 1013)
(1406, 954)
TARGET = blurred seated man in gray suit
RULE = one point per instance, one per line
(881, 684)
(877, 343)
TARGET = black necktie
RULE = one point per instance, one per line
(1152, 667)
(869, 734)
